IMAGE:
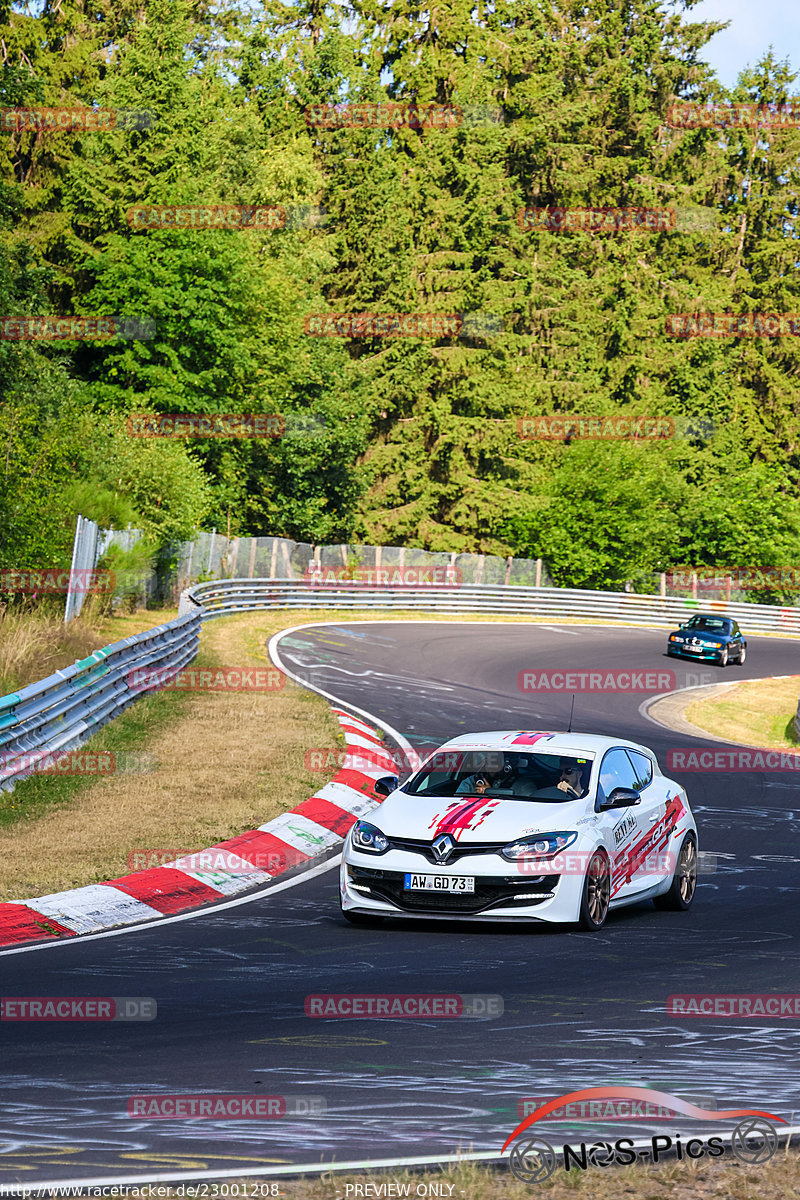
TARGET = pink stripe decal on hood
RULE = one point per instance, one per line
(457, 819)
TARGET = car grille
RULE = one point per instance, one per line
(460, 850)
(490, 892)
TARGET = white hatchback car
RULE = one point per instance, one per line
(517, 825)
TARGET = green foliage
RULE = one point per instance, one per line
(411, 441)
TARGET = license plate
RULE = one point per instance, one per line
(440, 883)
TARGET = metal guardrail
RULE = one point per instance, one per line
(222, 597)
(60, 712)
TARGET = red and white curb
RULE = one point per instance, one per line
(315, 829)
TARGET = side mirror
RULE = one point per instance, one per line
(623, 798)
(385, 785)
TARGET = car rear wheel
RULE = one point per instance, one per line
(723, 657)
(742, 656)
(596, 893)
(684, 881)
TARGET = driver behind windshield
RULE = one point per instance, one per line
(473, 785)
(569, 780)
(485, 775)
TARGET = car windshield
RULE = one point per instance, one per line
(710, 624)
(545, 778)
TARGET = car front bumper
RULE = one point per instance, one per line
(374, 885)
(704, 654)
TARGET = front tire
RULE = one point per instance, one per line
(723, 657)
(684, 882)
(596, 894)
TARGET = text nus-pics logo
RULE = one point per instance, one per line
(533, 1159)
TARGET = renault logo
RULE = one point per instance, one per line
(443, 846)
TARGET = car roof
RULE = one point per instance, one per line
(537, 741)
(713, 616)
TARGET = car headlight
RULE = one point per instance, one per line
(369, 838)
(674, 638)
(538, 845)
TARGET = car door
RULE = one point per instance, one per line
(647, 856)
(626, 828)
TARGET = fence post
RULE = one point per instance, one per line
(538, 572)
(663, 579)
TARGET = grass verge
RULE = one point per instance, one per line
(760, 713)
(701, 1179)
(216, 763)
(35, 644)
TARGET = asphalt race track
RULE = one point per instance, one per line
(580, 1010)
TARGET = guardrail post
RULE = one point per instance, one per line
(663, 579)
(538, 572)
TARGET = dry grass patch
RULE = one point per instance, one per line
(227, 762)
(760, 713)
(34, 644)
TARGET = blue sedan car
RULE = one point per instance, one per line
(709, 637)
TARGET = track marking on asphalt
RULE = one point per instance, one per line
(325, 1040)
(379, 722)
